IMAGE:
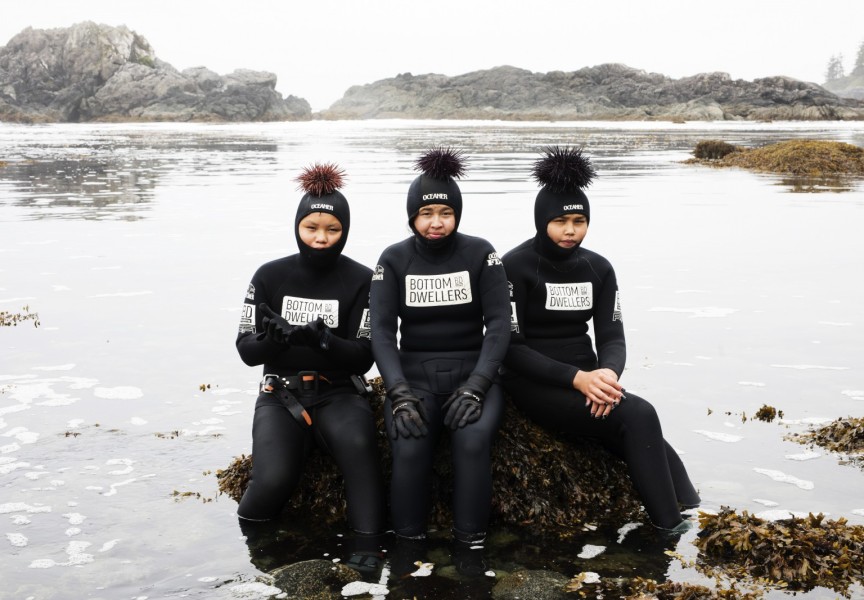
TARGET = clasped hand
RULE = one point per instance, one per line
(279, 331)
(601, 390)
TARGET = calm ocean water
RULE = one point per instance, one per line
(134, 243)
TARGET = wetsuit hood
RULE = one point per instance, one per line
(335, 204)
(426, 190)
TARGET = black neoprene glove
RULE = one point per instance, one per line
(465, 405)
(315, 333)
(277, 329)
(409, 414)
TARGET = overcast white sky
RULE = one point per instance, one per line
(319, 48)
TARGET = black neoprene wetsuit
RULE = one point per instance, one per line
(554, 299)
(444, 297)
(342, 420)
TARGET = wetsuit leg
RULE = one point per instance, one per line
(411, 481)
(345, 429)
(279, 448)
(471, 453)
(687, 495)
(632, 431)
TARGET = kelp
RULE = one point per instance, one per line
(796, 554)
(541, 482)
(639, 588)
(10, 319)
(810, 158)
(845, 436)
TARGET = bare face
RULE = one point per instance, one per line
(567, 231)
(320, 230)
(435, 221)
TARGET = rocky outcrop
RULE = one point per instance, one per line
(610, 91)
(92, 72)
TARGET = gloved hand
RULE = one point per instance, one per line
(409, 414)
(277, 329)
(465, 405)
(315, 333)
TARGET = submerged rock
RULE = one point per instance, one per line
(537, 585)
(540, 481)
(319, 579)
(94, 72)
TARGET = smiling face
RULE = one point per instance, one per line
(567, 231)
(319, 230)
(435, 221)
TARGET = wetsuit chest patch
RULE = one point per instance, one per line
(569, 296)
(299, 311)
(438, 290)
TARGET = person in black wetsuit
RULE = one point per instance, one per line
(306, 319)
(445, 287)
(551, 370)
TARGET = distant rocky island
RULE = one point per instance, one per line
(91, 72)
(609, 92)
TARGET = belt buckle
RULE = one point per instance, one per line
(266, 386)
(308, 381)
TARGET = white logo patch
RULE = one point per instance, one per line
(616, 314)
(378, 273)
(365, 329)
(247, 318)
(438, 290)
(250, 292)
(493, 259)
(569, 296)
(299, 311)
(514, 321)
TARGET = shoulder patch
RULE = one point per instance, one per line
(250, 292)
(247, 318)
(378, 273)
(493, 259)
(616, 314)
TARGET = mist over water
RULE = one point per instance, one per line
(135, 244)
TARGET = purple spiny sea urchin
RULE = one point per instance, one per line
(442, 163)
(321, 179)
(563, 169)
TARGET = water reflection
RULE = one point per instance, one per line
(811, 185)
(83, 188)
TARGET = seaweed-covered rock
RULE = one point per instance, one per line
(794, 554)
(811, 158)
(540, 481)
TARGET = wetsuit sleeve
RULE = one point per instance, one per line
(492, 283)
(384, 308)
(253, 346)
(521, 357)
(353, 353)
(608, 326)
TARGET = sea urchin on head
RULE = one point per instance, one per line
(321, 179)
(563, 169)
(442, 163)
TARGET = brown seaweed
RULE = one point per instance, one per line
(541, 482)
